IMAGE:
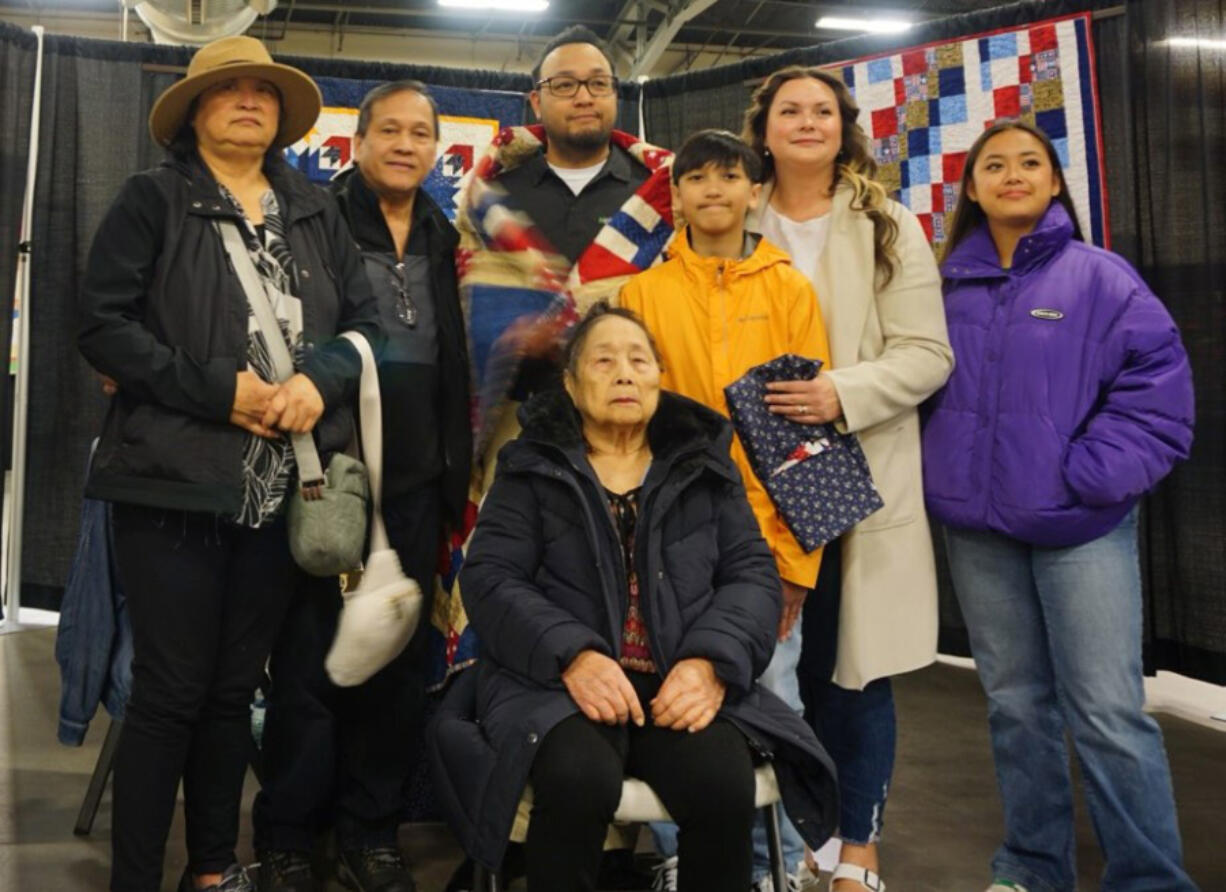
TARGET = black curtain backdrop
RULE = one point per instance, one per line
(1176, 227)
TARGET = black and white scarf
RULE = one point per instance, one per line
(268, 465)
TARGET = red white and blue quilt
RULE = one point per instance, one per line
(923, 107)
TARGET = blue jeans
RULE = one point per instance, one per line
(857, 728)
(1056, 635)
(780, 679)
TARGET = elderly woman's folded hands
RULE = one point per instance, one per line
(688, 700)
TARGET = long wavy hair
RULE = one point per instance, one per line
(854, 164)
(968, 215)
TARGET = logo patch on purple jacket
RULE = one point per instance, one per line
(1049, 315)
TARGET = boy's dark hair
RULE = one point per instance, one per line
(573, 34)
(722, 148)
(578, 335)
(366, 109)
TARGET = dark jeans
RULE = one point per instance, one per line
(858, 728)
(342, 756)
(206, 599)
(705, 780)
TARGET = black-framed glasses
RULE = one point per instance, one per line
(406, 310)
(566, 87)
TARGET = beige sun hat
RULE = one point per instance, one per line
(232, 57)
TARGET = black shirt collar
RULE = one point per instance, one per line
(617, 165)
(368, 225)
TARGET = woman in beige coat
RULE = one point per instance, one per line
(873, 613)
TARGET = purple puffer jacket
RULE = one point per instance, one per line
(1071, 397)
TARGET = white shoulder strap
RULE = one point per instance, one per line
(370, 415)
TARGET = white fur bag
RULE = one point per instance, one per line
(380, 615)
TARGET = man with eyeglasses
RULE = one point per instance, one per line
(342, 756)
(590, 205)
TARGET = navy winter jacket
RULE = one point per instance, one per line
(544, 580)
(1072, 394)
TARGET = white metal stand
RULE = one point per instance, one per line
(14, 520)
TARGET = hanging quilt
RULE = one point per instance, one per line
(923, 107)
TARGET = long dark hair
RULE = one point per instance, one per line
(854, 165)
(968, 215)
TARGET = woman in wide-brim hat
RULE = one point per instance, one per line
(194, 454)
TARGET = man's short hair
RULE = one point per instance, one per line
(366, 109)
(722, 148)
(573, 34)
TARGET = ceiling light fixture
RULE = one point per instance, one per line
(497, 5)
(1203, 43)
(873, 26)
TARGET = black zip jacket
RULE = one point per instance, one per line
(427, 424)
(164, 314)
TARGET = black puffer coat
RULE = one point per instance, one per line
(544, 579)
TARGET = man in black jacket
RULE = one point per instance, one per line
(343, 756)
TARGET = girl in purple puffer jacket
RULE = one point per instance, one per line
(1071, 397)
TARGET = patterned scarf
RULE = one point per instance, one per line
(268, 465)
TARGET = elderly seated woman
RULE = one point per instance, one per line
(626, 602)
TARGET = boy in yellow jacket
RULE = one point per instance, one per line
(724, 301)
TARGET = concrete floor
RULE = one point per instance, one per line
(943, 818)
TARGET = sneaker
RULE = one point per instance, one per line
(806, 878)
(234, 879)
(377, 869)
(766, 884)
(999, 885)
(665, 879)
(285, 871)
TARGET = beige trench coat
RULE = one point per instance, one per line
(890, 351)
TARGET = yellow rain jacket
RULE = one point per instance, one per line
(714, 319)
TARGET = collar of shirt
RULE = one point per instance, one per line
(369, 227)
(617, 165)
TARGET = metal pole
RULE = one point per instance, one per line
(16, 519)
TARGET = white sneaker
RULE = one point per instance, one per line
(1005, 886)
(665, 879)
(766, 884)
(807, 879)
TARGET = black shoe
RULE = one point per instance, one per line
(285, 871)
(234, 879)
(380, 869)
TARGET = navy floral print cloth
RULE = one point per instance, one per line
(817, 477)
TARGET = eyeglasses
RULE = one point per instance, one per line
(566, 87)
(406, 310)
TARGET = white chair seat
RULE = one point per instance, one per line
(640, 804)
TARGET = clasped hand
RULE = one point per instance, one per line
(267, 410)
(688, 700)
(815, 401)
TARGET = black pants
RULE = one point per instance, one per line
(205, 600)
(705, 780)
(341, 756)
